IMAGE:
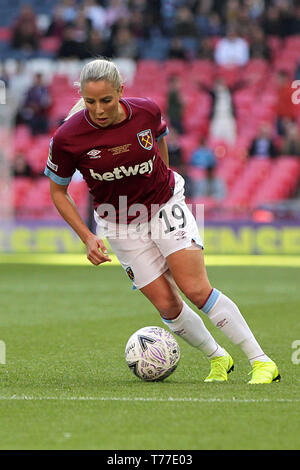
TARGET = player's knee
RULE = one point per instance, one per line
(197, 294)
(169, 306)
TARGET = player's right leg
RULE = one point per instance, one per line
(147, 268)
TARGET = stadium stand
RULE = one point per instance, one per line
(250, 182)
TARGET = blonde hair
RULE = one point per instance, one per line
(97, 69)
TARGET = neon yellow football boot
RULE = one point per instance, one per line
(264, 373)
(221, 366)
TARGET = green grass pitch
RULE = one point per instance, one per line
(65, 383)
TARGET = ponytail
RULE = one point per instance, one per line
(98, 69)
(79, 106)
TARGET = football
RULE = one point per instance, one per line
(152, 353)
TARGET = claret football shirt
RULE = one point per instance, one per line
(119, 163)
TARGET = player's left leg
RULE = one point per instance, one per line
(147, 268)
(184, 322)
(189, 272)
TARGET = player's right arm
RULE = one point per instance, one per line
(95, 248)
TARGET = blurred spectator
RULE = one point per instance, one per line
(263, 145)
(57, 23)
(145, 20)
(174, 149)
(286, 16)
(70, 47)
(244, 21)
(206, 49)
(116, 9)
(297, 72)
(139, 25)
(21, 168)
(296, 21)
(168, 12)
(95, 46)
(82, 26)
(202, 12)
(207, 20)
(291, 140)
(222, 118)
(255, 8)
(215, 26)
(141, 6)
(184, 23)
(34, 111)
(153, 12)
(210, 186)
(203, 156)
(19, 83)
(286, 109)
(259, 48)
(25, 32)
(4, 75)
(69, 9)
(177, 49)
(271, 23)
(174, 104)
(96, 14)
(124, 45)
(232, 50)
(185, 28)
(189, 183)
(232, 13)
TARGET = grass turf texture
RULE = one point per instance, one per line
(65, 384)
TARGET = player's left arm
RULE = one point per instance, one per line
(163, 150)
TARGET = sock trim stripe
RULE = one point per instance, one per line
(206, 299)
(213, 297)
(171, 320)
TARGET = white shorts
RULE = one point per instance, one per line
(142, 249)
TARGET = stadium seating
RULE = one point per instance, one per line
(250, 183)
(10, 10)
(249, 179)
(21, 187)
(280, 183)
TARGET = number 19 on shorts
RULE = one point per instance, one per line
(177, 221)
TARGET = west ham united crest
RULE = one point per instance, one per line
(145, 139)
(130, 273)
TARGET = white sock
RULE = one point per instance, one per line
(190, 327)
(226, 316)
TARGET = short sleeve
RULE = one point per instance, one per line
(160, 125)
(162, 128)
(60, 165)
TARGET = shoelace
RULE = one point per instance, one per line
(257, 368)
(217, 366)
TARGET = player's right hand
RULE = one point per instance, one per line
(96, 251)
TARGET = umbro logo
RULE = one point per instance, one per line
(222, 323)
(94, 153)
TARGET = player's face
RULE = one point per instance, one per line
(103, 102)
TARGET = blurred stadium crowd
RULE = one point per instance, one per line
(223, 73)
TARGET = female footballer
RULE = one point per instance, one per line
(119, 146)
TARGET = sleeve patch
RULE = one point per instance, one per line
(52, 165)
(57, 179)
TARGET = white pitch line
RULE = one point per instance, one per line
(143, 399)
